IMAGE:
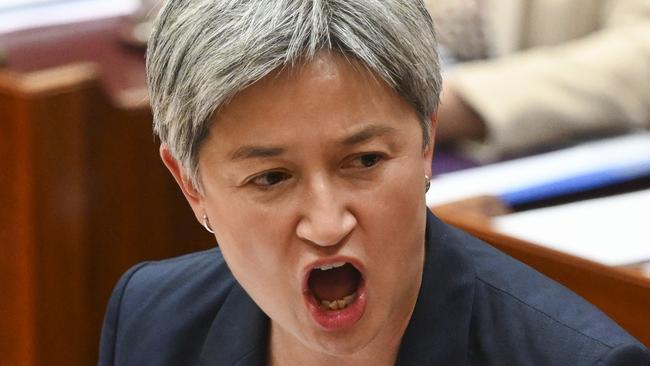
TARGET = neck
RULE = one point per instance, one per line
(285, 349)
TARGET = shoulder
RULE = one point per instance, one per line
(520, 316)
(167, 304)
(185, 280)
(179, 275)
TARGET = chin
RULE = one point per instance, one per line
(342, 343)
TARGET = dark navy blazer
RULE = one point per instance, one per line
(476, 306)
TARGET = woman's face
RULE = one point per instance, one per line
(319, 165)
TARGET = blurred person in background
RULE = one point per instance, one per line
(539, 73)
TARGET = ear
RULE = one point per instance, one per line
(193, 196)
(427, 154)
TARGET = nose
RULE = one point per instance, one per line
(326, 220)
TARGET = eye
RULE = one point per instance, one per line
(365, 160)
(270, 179)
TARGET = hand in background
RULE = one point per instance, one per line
(456, 119)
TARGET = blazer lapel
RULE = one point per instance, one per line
(438, 331)
(238, 335)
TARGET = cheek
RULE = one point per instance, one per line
(400, 194)
(398, 218)
(260, 260)
(255, 245)
(250, 244)
(250, 226)
(258, 269)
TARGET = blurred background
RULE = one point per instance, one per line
(546, 106)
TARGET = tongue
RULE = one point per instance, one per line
(335, 283)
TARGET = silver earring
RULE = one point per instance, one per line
(206, 224)
(427, 183)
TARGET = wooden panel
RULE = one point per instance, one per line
(50, 195)
(61, 214)
(17, 277)
(87, 198)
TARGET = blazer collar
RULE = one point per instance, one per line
(437, 333)
(439, 328)
(238, 335)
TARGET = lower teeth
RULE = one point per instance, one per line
(338, 304)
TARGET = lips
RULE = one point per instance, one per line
(335, 293)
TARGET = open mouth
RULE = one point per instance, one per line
(334, 285)
(335, 293)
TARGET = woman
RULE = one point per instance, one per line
(300, 133)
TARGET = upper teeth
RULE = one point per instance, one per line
(326, 267)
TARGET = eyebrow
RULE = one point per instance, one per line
(250, 152)
(366, 134)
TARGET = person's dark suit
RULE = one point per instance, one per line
(476, 306)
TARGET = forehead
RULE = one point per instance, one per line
(323, 100)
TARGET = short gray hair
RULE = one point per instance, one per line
(203, 52)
